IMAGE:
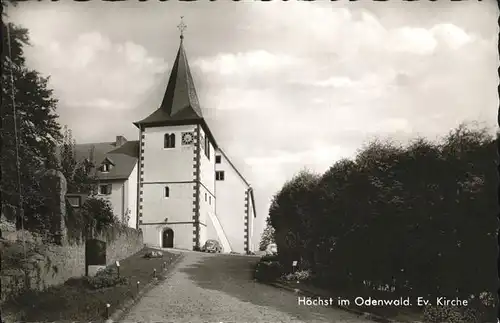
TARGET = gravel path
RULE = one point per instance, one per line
(220, 288)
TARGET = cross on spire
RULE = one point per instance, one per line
(182, 26)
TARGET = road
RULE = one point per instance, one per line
(220, 288)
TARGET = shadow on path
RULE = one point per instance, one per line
(233, 275)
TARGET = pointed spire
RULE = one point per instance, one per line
(180, 101)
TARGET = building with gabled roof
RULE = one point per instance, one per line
(116, 173)
(187, 191)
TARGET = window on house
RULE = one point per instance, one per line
(169, 140)
(217, 159)
(207, 147)
(167, 191)
(105, 168)
(205, 197)
(105, 189)
(210, 200)
(219, 175)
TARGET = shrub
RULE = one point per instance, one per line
(98, 212)
(267, 271)
(267, 236)
(106, 278)
(269, 258)
(449, 314)
(153, 254)
(301, 275)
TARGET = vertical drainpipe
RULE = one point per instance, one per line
(245, 222)
(138, 213)
(123, 200)
(215, 182)
(196, 174)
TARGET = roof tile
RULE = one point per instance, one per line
(124, 157)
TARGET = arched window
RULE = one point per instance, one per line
(167, 191)
(169, 141)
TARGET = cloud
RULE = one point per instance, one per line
(320, 153)
(392, 125)
(334, 81)
(453, 36)
(235, 98)
(99, 103)
(279, 165)
(93, 71)
(369, 82)
(318, 100)
(412, 40)
(245, 63)
(424, 41)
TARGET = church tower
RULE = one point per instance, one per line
(176, 165)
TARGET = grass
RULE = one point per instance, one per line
(75, 300)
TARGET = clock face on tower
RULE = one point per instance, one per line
(187, 138)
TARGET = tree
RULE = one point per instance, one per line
(80, 173)
(417, 218)
(29, 131)
(267, 235)
(98, 213)
(291, 214)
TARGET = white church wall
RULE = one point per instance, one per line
(230, 207)
(210, 232)
(206, 186)
(203, 234)
(167, 164)
(183, 234)
(207, 166)
(132, 198)
(251, 221)
(207, 204)
(178, 207)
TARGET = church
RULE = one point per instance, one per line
(176, 183)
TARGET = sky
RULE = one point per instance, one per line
(284, 85)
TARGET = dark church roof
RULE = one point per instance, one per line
(180, 103)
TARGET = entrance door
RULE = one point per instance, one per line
(168, 238)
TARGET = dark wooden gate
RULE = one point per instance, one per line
(95, 254)
(168, 238)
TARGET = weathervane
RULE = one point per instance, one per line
(182, 26)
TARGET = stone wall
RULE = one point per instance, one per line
(52, 264)
(120, 242)
(30, 262)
